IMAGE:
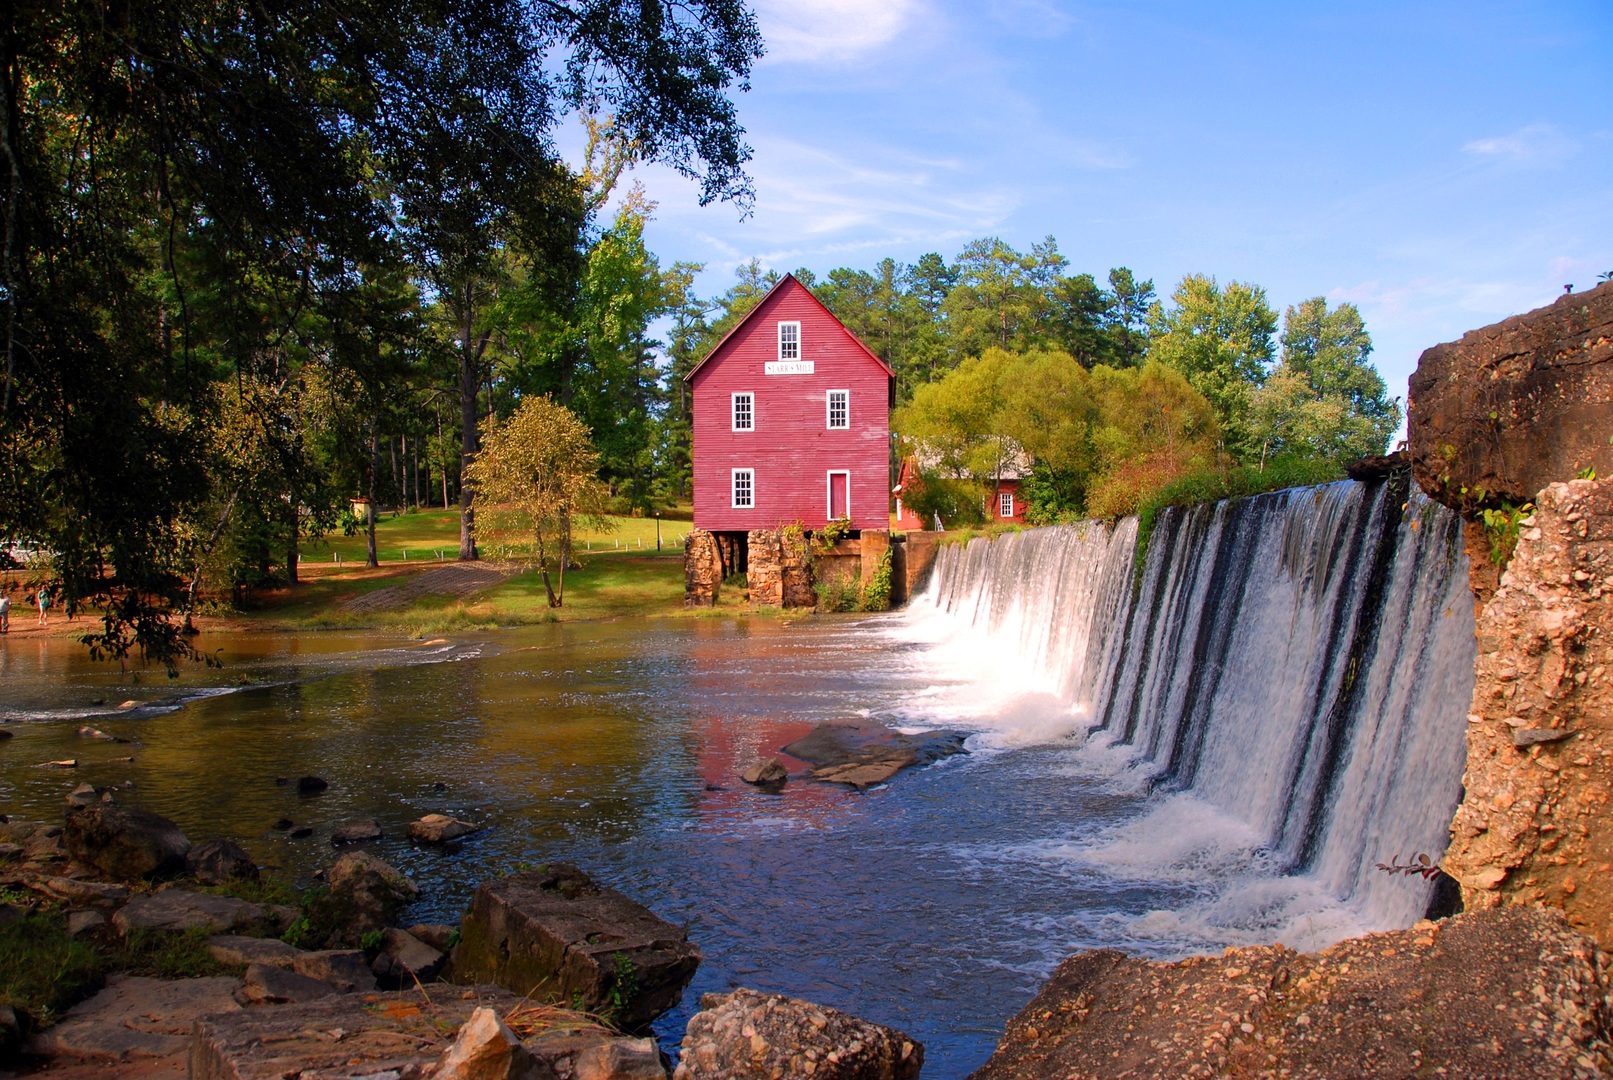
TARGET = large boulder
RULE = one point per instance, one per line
(365, 895)
(747, 1035)
(1515, 993)
(218, 862)
(134, 1018)
(555, 935)
(125, 842)
(1515, 406)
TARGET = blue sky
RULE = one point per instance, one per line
(1442, 165)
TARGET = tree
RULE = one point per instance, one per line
(174, 156)
(1325, 399)
(537, 473)
(1223, 341)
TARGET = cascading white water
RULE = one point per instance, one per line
(1301, 661)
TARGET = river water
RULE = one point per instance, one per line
(936, 903)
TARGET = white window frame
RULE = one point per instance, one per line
(829, 411)
(782, 354)
(829, 493)
(733, 488)
(1005, 504)
(750, 410)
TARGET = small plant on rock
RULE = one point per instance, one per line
(1420, 863)
(1503, 526)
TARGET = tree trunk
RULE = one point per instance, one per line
(291, 542)
(440, 448)
(414, 459)
(397, 490)
(370, 556)
(468, 385)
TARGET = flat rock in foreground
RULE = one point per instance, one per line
(406, 1034)
(863, 753)
(373, 1034)
(135, 1018)
(747, 1035)
(556, 935)
(1514, 994)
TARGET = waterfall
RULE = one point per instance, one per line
(1301, 661)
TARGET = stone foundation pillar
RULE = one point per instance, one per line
(922, 547)
(765, 572)
(796, 565)
(702, 569)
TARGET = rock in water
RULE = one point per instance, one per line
(747, 1035)
(311, 785)
(862, 753)
(356, 831)
(216, 862)
(556, 935)
(1514, 993)
(1518, 405)
(769, 773)
(439, 829)
(125, 842)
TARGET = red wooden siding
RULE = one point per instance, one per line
(791, 447)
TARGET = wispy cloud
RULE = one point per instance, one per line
(1032, 18)
(831, 30)
(1536, 144)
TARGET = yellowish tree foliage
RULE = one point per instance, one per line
(537, 478)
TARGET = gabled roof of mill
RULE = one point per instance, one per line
(746, 318)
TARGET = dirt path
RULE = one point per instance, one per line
(453, 579)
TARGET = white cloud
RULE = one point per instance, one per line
(1536, 144)
(818, 30)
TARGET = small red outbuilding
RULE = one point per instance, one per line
(791, 422)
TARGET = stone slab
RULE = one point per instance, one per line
(557, 935)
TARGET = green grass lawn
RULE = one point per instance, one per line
(620, 584)
(421, 535)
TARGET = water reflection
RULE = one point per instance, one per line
(935, 904)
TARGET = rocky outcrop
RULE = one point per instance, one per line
(555, 935)
(1513, 407)
(126, 843)
(1540, 729)
(1516, 994)
(746, 1035)
(863, 753)
(702, 569)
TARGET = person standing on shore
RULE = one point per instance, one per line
(43, 596)
(5, 613)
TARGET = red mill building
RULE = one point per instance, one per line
(791, 428)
